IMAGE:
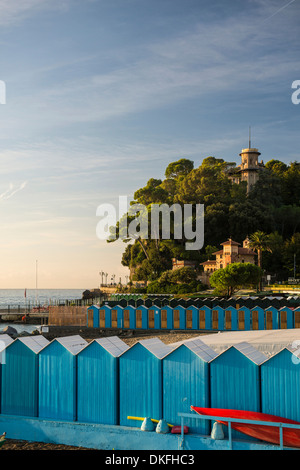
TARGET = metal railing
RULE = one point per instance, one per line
(280, 426)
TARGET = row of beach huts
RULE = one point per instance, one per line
(192, 317)
(105, 381)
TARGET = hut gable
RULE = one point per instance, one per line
(252, 353)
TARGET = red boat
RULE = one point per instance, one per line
(291, 437)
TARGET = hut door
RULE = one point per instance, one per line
(114, 319)
(283, 319)
(215, 323)
(126, 319)
(151, 318)
(269, 322)
(241, 320)
(176, 319)
(164, 319)
(90, 318)
(228, 320)
(138, 319)
(297, 319)
(254, 320)
(189, 319)
(102, 318)
(202, 319)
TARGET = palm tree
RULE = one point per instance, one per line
(259, 241)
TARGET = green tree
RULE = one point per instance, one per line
(236, 276)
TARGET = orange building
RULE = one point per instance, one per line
(232, 252)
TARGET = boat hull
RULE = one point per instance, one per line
(291, 437)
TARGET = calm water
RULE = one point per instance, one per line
(15, 297)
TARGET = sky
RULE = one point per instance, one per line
(101, 95)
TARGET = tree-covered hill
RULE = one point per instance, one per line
(272, 207)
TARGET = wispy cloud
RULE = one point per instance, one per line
(11, 191)
(12, 11)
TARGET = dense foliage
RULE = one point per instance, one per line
(272, 207)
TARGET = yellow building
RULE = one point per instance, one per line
(249, 169)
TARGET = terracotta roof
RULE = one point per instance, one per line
(246, 251)
(230, 242)
(208, 262)
(218, 252)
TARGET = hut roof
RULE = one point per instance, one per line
(201, 349)
(73, 344)
(35, 343)
(113, 344)
(5, 340)
(156, 347)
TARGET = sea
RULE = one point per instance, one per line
(24, 297)
(21, 298)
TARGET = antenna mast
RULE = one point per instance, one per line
(249, 137)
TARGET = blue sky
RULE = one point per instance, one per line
(101, 95)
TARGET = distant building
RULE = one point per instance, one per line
(231, 252)
(249, 169)
(177, 264)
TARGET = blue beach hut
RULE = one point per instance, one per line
(179, 317)
(271, 318)
(166, 319)
(205, 318)
(141, 317)
(217, 314)
(19, 391)
(105, 316)
(244, 318)
(257, 318)
(93, 316)
(286, 318)
(296, 313)
(140, 373)
(192, 317)
(57, 377)
(154, 314)
(230, 318)
(5, 340)
(129, 317)
(98, 379)
(235, 378)
(280, 374)
(186, 382)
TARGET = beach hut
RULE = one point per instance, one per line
(57, 377)
(5, 340)
(235, 378)
(93, 316)
(154, 314)
(280, 383)
(141, 317)
(257, 318)
(179, 317)
(217, 314)
(297, 317)
(271, 318)
(98, 381)
(244, 318)
(286, 318)
(129, 317)
(186, 382)
(140, 374)
(230, 318)
(19, 390)
(192, 317)
(204, 318)
(166, 319)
